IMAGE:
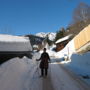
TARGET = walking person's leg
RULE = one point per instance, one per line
(46, 71)
(42, 71)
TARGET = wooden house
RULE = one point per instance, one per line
(61, 43)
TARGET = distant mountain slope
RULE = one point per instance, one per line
(35, 39)
(51, 35)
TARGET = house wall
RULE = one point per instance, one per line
(82, 38)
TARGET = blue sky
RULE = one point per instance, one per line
(20, 17)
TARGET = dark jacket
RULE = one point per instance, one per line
(44, 60)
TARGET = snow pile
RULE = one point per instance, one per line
(15, 73)
(14, 43)
(12, 73)
(81, 63)
(68, 50)
(18, 74)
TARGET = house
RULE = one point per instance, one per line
(61, 43)
(14, 46)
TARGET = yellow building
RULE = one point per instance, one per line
(82, 40)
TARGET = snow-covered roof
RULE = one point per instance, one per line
(14, 43)
(63, 39)
(11, 38)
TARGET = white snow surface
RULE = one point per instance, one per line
(14, 72)
(14, 43)
(81, 63)
(11, 38)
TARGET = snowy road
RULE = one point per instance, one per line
(58, 79)
(65, 80)
(23, 74)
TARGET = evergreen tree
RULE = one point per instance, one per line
(59, 34)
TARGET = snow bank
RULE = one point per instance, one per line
(80, 63)
(14, 43)
(18, 74)
(13, 74)
(67, 51)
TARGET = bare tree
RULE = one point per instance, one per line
(81, 13)
(81, 18)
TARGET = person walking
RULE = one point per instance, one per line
(45, 59)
